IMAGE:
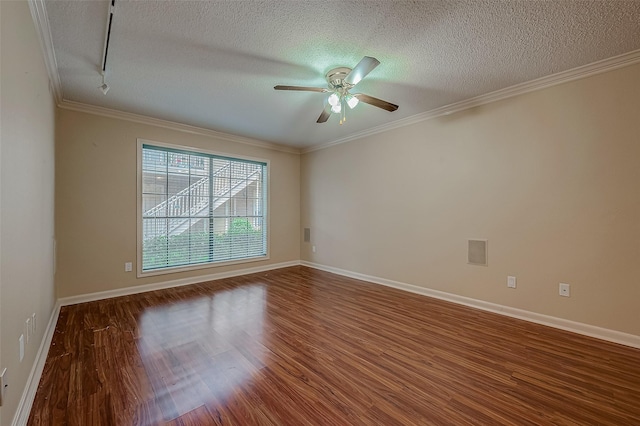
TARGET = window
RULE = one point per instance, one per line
(199, 208)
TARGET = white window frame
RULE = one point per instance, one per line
(185, 268)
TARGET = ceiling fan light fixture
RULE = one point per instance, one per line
(339, 82)
(352, 101)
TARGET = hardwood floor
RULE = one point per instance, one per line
(298, 346)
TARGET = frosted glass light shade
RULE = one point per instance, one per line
(352, 101)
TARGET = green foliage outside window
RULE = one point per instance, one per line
(193, 247)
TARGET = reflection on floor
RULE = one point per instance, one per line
(299, 346)
(177, 342)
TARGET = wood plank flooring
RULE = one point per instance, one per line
(297, 346)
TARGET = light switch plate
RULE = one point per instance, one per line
(511, 282)
(21, 342)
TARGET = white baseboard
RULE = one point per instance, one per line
(563, 324)
(28, 395)
(126, 291)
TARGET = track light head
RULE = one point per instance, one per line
(105, 88)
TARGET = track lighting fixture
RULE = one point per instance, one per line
(105, 87)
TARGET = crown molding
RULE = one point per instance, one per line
(172, 125)
(43, 30)
(584, 71)
(41, 23)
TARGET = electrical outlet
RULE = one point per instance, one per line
(128, 267)
(3, 384)
(511, 282)
(313, 249)
(565, 290)
(21, 342)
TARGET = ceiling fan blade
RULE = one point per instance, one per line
(326, 113)
(376, 102)
(302, 88)
(364, 67)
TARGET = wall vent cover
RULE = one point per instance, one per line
(307, 235)
(477, 252)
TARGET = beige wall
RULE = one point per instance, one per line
(550, 178)
(96, 201)
(26, 196)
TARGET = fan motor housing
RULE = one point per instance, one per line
(335, 78)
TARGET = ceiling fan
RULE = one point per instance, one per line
(340, 80)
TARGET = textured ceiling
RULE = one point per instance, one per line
(213, 64)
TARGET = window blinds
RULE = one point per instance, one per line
(199, 208)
